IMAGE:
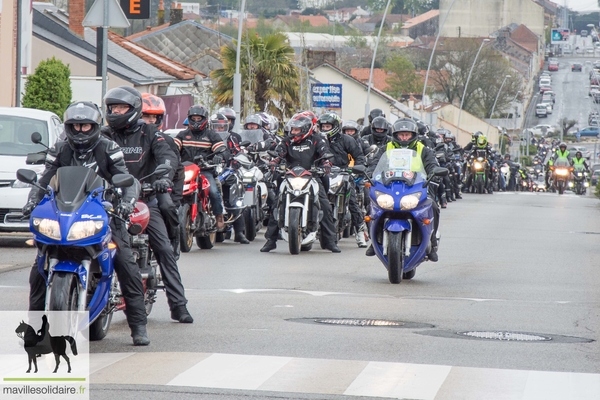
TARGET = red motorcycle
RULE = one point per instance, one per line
(196, 217)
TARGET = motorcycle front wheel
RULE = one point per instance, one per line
(185, 226)
(207, 242)
(295, 230)
(249, 219)
(395, 253)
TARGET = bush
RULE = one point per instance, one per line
(597, 190)
(49, 87)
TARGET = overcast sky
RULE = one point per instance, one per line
(579, 5)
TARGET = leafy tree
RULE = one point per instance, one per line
(566, 124)
(270, 79)
(403, 79)
(312, 11)
(450, 72)
(49, 87)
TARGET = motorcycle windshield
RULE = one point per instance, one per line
(72, 185)
(562, 162)
(252, 135)
(578, 167)
(399, 165)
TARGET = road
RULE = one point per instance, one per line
(518, 263)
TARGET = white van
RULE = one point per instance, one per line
(16, 127)
(545, 81)
(541, 110)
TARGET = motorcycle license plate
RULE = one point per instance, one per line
(249, 197)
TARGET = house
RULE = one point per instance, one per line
(8, 51)
(447, 115)
(189, 43)
(289, 22)
(354, 94)
(523, 49)
(425, 24)
(380, 77)
(128, 64)
(393, 21)
(479, 18)
(345, 14)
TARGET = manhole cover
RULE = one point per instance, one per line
(368, 322)
(508, 336)
(359, 322)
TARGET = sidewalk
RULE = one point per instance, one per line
(15, 253)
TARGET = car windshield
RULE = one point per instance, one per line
(15, 135)
(399, 164)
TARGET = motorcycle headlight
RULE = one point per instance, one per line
(83, 229)
(562, 172)
(524, 183)
(586, 184)
(478, 165)
(47, 227)
(384, 200)
(570, 184)
(298, 183)
(410, 201)
(188, 175)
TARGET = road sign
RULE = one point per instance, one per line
(327, 95)
(95, 17)
(560, 36)
(136, 9)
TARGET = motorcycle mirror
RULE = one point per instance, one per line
(439, 171)
(26, 175)
(35, 158)
(122, 180)
(220, 150)
(245, 143)
(163, 169)
(359, 169)
(134, 229)
(36, 138)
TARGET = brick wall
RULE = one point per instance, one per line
(76, 15)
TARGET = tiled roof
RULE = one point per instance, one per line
(171, 67)
(379, 77)
(421, 18)
(525, 37)
(390, 18)
(148, 30)
(188, 43)
(314, 20)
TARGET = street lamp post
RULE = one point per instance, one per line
(462, 100)
(367, 105)
(495, 101)
(431, 56)
(237, 77)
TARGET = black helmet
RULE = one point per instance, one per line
(333, 120)
(123, 95)
(228, 112)
(197, 111)
(376, 112)
(405, 125)
(578, 155)
(474, 136)
(380, 123)
(82, 112)
(219, 120)
(422, 128)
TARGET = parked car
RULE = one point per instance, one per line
(543, 130)
(585, 152)
(590, 131)
(583, 33)
(593, 88)
(549, 104)
(553, 66)
(590, 49)
(549, 95)
(541, 110)
(17, 151)
(545, 88)
(577, 67)
(596, 97)
(594, 178)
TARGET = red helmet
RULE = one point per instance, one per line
(154, 105)
(141, 215)
(302, 121)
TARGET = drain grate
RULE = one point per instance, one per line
(506, 336)
(359, 322)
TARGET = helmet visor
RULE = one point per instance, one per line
(82, 113)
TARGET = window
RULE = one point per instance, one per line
(15, 135)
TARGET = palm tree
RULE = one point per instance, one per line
(270, 79)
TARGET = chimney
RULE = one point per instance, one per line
(76, 15)
(161, 13)
(176, 14)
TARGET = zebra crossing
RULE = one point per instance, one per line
(339, 377)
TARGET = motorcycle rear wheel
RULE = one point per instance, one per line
(295, 230)
(395, 253)
(185, 226)
(410, 274)
(249, 219)
(207, 242)
(99, 328)
(220, 237)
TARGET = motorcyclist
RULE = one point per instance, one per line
(302, 148)
(579, 162)
(85, 146)
(144, 149)
(374, 113)
(343, 147)
(153, 112)
(456, 149)
(560, 153)
(199, 140)
(404, 136)
(221, 125)
(268, 143)
(511, 184)
(425, 134)
(380, 138)
(481, 144)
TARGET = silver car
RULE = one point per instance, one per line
(17, 151)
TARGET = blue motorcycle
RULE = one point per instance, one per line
(401, 213)
(71, 230)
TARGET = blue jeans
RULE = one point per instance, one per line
(216, 201)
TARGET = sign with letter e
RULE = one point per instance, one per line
(136, 9)
(327, 95)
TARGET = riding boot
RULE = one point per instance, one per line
(361, 235)
(443, 202)
(139, 335)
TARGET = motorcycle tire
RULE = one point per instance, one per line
(99, 328)
(185, 228)
(561, 188)
(395, 253)
(295, 230)
(410, 274)
(346, 233)
(308, 247)
(206, 242)
(249, 220)
(479, 186)
(220, 237)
